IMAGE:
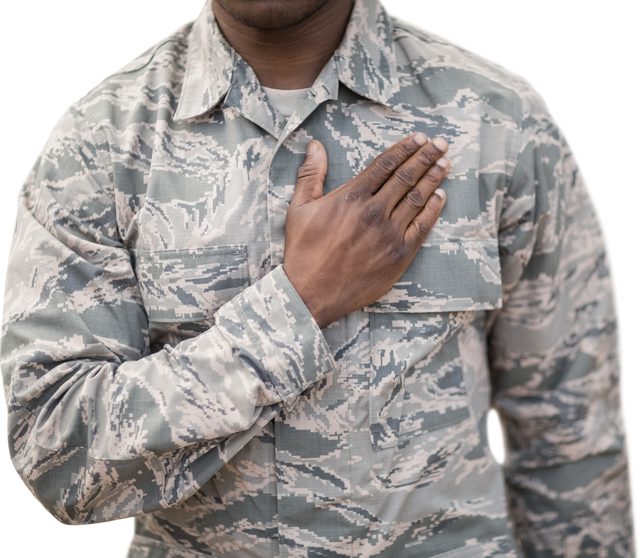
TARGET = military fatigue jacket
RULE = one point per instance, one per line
(159, 364)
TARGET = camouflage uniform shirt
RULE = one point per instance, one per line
(158, 363)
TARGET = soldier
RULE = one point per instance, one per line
(239, 309)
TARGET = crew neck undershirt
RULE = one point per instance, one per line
(285, 100)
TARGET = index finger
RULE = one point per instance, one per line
(384, 165)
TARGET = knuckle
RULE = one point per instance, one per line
(415, 199)
(434, 176)
(398, 253)
(427, 221)
(372, 214)
(423, 228)
(385, 164)
(406, 150)
(404, 176)
(426, 157)
(305, 171)
(352, 196)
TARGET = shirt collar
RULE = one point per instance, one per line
(365, 61)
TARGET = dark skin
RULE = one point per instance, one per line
(286, 42)
(344, 250)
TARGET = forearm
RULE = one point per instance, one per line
(98, 428)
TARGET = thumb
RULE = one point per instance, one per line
(311, 175)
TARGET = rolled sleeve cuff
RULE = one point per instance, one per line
(274, 330)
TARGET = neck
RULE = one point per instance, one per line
(292, 57)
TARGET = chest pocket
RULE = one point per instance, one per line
(190, 284)
(417, 382)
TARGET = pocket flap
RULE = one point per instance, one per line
(447, 276)
(190, 284)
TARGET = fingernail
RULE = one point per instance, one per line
(442, 163)
(440, 193)
(441, 144)
(312, 148)
(420, 138)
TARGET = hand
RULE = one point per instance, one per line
(345, 250)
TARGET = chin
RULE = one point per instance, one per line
(271, 14)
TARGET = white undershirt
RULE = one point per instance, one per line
(285, 100)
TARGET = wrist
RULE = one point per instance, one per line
(314, 304)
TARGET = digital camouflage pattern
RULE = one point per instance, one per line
(158, 363)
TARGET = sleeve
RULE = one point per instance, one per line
(100, 429)
(553, 357)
